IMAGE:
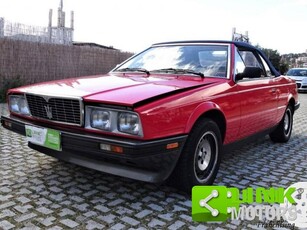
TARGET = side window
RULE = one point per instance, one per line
(266, 67)
(250, 59)
(239, 64)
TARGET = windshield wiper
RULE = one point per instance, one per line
(184, 71)
(134, 70)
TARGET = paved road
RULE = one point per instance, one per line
(39, 192)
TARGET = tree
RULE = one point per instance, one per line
(283, 67)
(275, 58)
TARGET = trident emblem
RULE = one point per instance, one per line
(48, 110)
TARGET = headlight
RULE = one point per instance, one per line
(100, 119)
(113, 120)
(18, 104)
(128, 123)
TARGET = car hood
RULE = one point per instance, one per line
(297, 78)
(120, 89)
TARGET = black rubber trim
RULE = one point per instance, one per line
(297, 105)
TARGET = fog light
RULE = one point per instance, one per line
(111, 148)
(105, 147)
(8, 124)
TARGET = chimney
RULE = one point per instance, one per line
(50, 18)
(1, 27)
(72, 20)
(61, 5)
(63, 19)
(59, 17)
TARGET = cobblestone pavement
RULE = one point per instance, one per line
(40, 192)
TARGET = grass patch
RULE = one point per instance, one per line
(9, 83)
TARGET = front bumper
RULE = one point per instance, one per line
(301, 86)
(149, 161)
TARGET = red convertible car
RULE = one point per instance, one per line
(167, 112)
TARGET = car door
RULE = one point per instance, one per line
(258, 94)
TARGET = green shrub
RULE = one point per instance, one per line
(9, 83)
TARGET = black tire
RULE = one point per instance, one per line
(284, 129)
(200, 158)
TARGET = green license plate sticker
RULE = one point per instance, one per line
(49, 138)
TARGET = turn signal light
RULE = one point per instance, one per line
(117, 149)
(172, 145)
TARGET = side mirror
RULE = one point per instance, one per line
(239, 76)
(249, 72)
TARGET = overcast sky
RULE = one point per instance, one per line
(132, 25)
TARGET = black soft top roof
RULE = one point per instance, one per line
(242, 45)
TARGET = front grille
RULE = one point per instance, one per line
(298, 85)
(64, 110)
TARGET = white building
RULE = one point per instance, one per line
(301, 62)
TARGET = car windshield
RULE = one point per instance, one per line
(202, 60)
(297, 72)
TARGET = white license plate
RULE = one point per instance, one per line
(49, 138)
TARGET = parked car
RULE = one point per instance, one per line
(300, 76)
(165, 113)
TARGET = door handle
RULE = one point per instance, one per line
(273, 90)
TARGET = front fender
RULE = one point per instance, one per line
(199, 111)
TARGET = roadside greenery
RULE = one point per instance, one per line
(8, 83)
(276, 59)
